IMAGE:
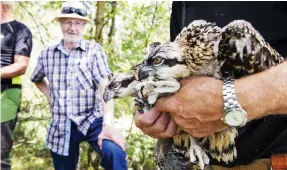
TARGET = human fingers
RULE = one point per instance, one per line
(147, 118)
(119, 142)
(205, 129)
(168, 104)
(187, 123)
(100, 142)
(170, 130)
(159, 125)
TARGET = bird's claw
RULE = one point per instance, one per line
(140, 104)
(195, 151)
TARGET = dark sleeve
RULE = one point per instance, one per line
(284, 4)
(23, 44)
(176, 19)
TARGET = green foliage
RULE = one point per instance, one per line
(136, 25)
(140, 152)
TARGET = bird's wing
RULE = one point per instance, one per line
(196, 42)
(197, 32)
(241, 50)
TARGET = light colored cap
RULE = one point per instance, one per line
(76, 5)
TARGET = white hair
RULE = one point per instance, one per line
(8, 5)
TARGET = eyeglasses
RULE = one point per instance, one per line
(69, 23)
(70, 10)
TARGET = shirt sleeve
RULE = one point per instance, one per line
(100, 67)
(176, 19)
(23, 42)
(38, 73)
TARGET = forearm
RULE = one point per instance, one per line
(13, 70)
(43, 87)
(264, 93)
(108, 108)
(199, 102)
(108, 111)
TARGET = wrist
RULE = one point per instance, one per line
(234, 115)
(253, 93)
(276, 89)
(213, 87)
(107, 122)
(217, 101)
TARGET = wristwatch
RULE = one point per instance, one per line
(234, 115)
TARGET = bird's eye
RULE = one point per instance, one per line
(116, 85)
(157, 60)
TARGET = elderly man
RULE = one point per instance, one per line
(16, 46)
(77, 70)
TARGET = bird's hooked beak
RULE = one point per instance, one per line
(144, 72)
(108, 95)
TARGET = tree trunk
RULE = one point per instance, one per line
(95, 159)
(113, 28)
(100, 22)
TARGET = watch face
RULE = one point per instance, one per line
(236, 117)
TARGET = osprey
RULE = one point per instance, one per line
(122, 85)
(204, 49)
(173, 152)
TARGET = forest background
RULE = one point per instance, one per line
(124, 29)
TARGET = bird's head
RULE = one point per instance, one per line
(121, 85)
(163, 61)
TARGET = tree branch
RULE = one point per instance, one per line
(100, 22)
(131, 127)
(152, 23)
(112, 30)
(35, 22)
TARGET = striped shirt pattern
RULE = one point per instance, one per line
(73, 95)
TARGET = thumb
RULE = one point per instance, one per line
(100, 143)
(167, 104)
(120, 143)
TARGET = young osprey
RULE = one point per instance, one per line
(184, 149)
(204, 49)
(169, 154)
(122, 85)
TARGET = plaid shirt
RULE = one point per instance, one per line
(72, 93)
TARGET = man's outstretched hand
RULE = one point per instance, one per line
(113, 134)
(196, 108)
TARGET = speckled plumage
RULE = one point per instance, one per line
(204, 49)
(167, 155)
(201, 49)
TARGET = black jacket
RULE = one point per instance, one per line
(269, 18)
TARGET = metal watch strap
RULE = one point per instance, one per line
(229, 95)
